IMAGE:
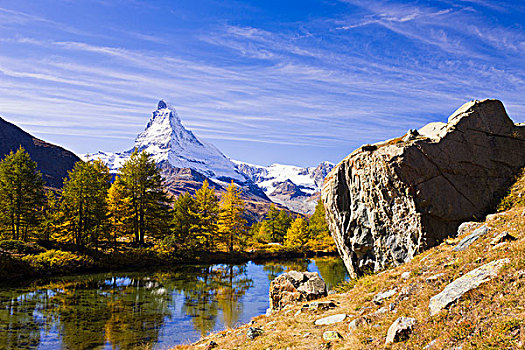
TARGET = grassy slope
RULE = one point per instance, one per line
(489, 317)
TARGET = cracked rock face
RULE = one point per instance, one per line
(389, 201)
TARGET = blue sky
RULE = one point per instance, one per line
(294, 82)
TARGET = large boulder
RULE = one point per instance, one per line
(294, 286)
(389, 201)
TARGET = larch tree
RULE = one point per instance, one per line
(319, 228)
(50, 216)
(272, 224)
(298, 234)
(119, 211)
(184, 220)
(21, 194)
(147, 204)
(282, 224)
(231, 217)
(207, 211)
(83, 203)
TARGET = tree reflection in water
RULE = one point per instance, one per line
(123, 311)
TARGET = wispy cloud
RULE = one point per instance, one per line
(324, 85)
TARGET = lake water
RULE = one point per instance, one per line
(144, 309)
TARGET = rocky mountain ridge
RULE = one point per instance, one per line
(53, 161)
(295, 187)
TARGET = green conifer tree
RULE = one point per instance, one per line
(21, 194)
(184, 220)
(272, 224)
(148, 204)
(282, 224)
(50, 216)
(83, 203)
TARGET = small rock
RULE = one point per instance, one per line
(332, 292)
(412, 134)
(380, 311)
(499, 245)
(467, 241)
(378, 299)
(364, 309)
(466, 227)
(330, 319)
(502, 237)
(434, 277)
(271, 323)
(400, 330)
(319, 305)
(307, 334)
(465, 283)
(491, 217)
(254, 332)
(407, 291)
(331, 335)
(356, 323)
(298, 313)
(405, 275)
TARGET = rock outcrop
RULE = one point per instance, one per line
(294, 286)
(389, 201)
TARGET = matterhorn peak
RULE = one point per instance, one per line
(170, 143)
(162, 105)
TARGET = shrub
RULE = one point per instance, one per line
(515, 195)
(20, 247)
(57, 261)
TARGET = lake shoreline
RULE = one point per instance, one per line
(20, 269)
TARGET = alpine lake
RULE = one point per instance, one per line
(144, 310)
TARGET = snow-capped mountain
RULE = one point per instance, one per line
(294, 187)
(170, 143)
(186, 161)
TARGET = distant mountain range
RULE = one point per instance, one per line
(185, 162)
(294, 187)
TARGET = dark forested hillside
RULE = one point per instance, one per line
(53, 161)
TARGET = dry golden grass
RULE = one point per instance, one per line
(489, 317)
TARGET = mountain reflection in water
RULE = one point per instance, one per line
(139, 309)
